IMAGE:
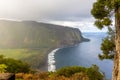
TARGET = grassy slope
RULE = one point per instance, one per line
(30, 41)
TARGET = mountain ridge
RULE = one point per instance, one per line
(31, 40)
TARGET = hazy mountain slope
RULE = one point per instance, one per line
(30, 40)
(29, 34)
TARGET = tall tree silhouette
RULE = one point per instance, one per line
(103, 11)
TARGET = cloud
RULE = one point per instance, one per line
(73, 13)
(86, 25)
(45, 9)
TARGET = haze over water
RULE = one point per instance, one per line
(84, 54)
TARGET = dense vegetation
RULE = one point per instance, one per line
(66, 73)
(30, 41)
(13, 66)
(34, 57)
(23, 71)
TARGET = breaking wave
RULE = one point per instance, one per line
(51, 60)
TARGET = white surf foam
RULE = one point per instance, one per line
(51, 60)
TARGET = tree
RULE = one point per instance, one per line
(108, 46)
(108, 49)
(103, 11)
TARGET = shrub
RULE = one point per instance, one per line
(92, 73)
(14, 66)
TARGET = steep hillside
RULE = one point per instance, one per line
(30, 34)
(30, 40)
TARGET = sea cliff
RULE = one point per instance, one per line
(30, 41)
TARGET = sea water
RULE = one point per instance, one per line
(84, 54)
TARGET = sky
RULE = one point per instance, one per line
(74, 13)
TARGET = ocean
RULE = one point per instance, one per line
(83, 54)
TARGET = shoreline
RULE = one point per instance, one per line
(51, 60)
(44, 66)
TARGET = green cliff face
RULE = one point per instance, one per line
(30, 40)
(29, 34)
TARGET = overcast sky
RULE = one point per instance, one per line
(73, 13)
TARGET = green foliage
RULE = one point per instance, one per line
(66, 73)
(14, 66)
(106, 22)
(116, 3)
(108, 46)
(3, 68)
(99, 11)
(34, 57)
(99, 24)
(93, 72)
(69, 71)
(102, 11)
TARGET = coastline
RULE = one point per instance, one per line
(51, 60)
(44, 66)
